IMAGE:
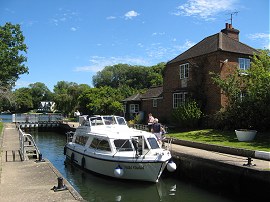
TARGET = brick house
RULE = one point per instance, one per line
(187, 75)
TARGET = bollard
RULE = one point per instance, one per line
(40, 159)
(60, 186)
(60, 183)
(249, 162)
(13, 154)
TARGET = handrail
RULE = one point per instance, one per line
(22, 137)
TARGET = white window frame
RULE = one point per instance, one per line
(134, 108)
(179, 98)
(154, 102)
(184, 71)
(244, 63)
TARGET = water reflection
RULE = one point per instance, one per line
(97, 188)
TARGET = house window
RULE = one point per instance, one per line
(154, 102)
(134, 108)
(242, 95)
(179, 98)
(184, 71)
(244, 63)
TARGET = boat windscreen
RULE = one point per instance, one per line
(95, 121)
(153, 143)
(121, 121)
(122, 145)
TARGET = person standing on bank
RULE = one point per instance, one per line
(150, 121)
(157, 130)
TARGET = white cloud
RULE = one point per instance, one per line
(111, 18)
(73, 29)
(259, 36)
(98, 63)
(262, 38)
(131, 14)
(64, 16)
(205, 9)
(188, 44)
(158, 33)
(159, 52)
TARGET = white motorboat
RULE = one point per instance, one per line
(107, 146)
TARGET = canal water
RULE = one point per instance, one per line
(96, 188)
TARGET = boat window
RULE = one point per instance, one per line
(95, 121)
(122, 145)
(81, 140)
(108, 120)
(121, 120)
(100, 144)
(153, 143)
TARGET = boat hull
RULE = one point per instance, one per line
(135, 169)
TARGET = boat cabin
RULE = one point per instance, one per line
(106, 134)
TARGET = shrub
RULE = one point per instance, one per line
(187, 115)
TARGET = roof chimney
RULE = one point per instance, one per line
(231, 32)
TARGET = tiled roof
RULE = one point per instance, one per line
(135, 97)
(152, 92)
(219, 41)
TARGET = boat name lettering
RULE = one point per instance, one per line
(135, 167)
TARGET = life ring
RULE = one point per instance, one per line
(72, 157)
(83, 162)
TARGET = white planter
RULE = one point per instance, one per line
(244, 135)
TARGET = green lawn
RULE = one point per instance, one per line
(224, 138)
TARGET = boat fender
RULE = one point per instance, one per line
(83, 162)
(65, 150)
(72, 157)
(118, 171)
(171, 166)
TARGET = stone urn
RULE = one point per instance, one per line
(245, 135)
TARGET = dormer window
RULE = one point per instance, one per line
(184, 71)
(244, 63)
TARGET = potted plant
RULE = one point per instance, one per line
(245, 135)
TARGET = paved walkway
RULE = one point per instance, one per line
(28, 180)
(235, 160)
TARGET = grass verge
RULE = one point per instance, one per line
(225, 138)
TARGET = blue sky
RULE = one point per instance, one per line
(70, 40)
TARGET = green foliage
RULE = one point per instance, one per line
(187, 115)
(12, 59)
(66, 96)
(252, 110)
(136, 77)
(23, 99)
(40, 92)
(103, 100)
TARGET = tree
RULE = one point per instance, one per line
(248, 95)
(103, 100)
(23, 99)
(137, 77)
(39, 92)
(12, 59)
(66, 96)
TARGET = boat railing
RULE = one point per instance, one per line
(28, 146)
(146, 127)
